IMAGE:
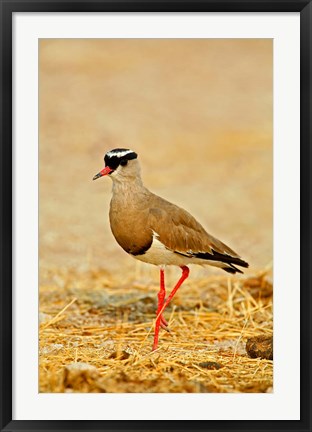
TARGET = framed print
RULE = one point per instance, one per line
(144, 299)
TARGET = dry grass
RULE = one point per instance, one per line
(199, 114)
(86, 318)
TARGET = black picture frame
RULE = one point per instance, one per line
(8, 7)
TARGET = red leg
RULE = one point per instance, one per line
(161, 300)
(161, 295)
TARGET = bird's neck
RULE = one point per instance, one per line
(129, 187)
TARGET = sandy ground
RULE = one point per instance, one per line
(199, 114)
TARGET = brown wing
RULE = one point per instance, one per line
(180, 232)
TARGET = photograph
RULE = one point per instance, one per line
(155, 215)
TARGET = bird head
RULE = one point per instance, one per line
(119, 163)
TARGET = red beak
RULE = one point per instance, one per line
(105, 171)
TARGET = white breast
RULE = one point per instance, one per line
(158, 254)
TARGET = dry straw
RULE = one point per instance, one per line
(96, 334)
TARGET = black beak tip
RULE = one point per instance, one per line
(96, 176)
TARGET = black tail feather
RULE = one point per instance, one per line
(232, 269)
(223, 258)
(228, 259)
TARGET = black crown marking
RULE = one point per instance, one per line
(119, 156)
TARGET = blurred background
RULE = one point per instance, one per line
(198, 113)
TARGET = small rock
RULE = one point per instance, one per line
(50, 349)
(122, 355)
(108, 343)
(254, 387)
(83, 378)
(210, 365)
(80, 366)
(260, 346)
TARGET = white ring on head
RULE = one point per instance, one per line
(118, 153)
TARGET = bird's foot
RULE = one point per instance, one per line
(164, 323)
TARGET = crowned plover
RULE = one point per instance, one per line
(158, 232)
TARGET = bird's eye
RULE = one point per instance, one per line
(123, 162)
